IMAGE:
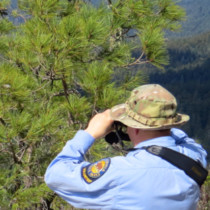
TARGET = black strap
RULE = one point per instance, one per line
(192, 168)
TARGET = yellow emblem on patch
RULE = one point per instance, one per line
(95, 170)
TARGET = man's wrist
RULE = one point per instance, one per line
(90, 133)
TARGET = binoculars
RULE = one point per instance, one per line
(118, 135)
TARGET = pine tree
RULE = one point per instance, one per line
(65, 62)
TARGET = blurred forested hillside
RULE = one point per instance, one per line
(188, 78)
(197, 18)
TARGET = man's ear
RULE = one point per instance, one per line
(136, 131)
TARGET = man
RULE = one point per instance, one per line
(140, 180)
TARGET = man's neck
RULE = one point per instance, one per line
(145, 135)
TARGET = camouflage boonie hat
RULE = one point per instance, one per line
(150, 107)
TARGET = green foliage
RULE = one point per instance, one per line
(34, 193)
(65, 62)
(80, 107)
(154, 45)
(5, 26)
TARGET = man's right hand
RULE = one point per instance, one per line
(100, 124)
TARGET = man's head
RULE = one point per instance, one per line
(149, 107)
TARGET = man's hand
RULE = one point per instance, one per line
(100, 124)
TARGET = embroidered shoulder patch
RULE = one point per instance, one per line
(93, 171)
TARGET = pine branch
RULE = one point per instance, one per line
(109, 2)
(111, 7)
(36, 70)
(42, 87)
(21, 155)
(71, 91)
(50, 78)
(2, 121)
(137, 61)
(65, 88)
(49, 200)
(3, 12)
(19, 15)
(3, 58)
(15, 158)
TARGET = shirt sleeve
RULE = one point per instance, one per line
(64, 176)
(189, 147)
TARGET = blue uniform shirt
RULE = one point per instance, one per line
(139, 181)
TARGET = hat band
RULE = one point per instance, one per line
(152, 121)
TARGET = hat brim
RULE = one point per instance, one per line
(118, 113)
